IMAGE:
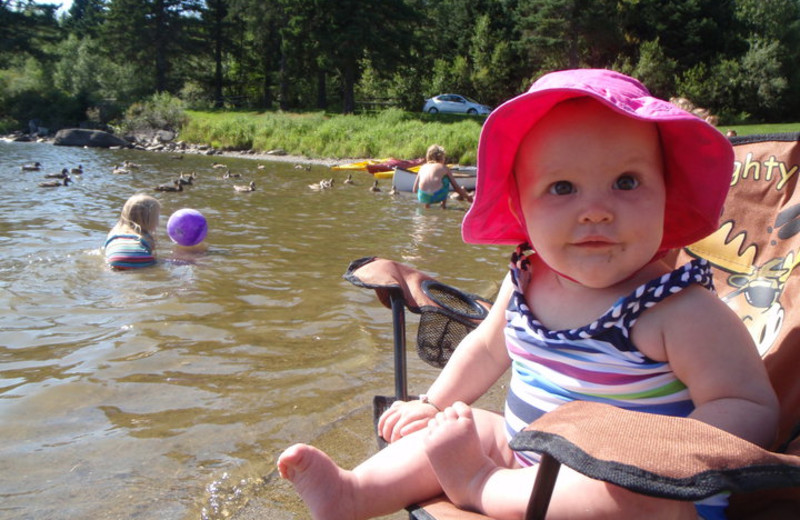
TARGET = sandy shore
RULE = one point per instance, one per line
(294, 159)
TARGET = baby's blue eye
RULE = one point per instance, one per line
(626, 182)
(561, 188)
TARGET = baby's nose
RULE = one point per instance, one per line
(598, 209)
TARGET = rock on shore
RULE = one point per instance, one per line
(92, 138)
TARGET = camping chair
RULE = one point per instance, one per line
(754, 253)
(446, 316)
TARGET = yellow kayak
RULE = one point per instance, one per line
(360, 165)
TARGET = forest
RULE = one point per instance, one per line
(101, 58)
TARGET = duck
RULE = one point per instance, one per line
(249, 187)
(260, 167)
(218, 165)
(55, 184)
(35, 167)
(393, 191)
(187, 178)
(306, 167)
(78, 170)
(229, 175)
(374, 188)
(128, 165)
(175, 186)
(324, 184)
(119, 170)
(349, 179)
(63, 174)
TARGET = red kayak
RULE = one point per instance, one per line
(391, 164)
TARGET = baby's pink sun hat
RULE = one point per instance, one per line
(698, 159)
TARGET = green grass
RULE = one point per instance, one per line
(386, 133)
(762, 129)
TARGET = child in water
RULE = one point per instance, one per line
(434, 178)
(589, 310)
(131, 243)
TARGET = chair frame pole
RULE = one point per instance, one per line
(546, 476)
(399, 341)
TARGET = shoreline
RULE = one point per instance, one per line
(182, 147)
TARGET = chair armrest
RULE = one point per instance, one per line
(656, 455)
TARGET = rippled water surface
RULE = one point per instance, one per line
(168, 392)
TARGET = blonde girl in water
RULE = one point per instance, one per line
(131, 243)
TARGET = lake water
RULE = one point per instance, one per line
(168, 392)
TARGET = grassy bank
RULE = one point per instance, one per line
(389, 133)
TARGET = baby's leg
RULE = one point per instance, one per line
(478, 476)
(475, 474)
(393, 478)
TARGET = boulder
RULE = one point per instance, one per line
(92, 138)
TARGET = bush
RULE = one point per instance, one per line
(159, 112)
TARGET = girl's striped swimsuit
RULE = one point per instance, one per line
(597, 362)
(128, 252)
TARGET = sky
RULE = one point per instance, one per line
(65, 4)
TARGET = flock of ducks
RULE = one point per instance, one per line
(63, 178)
(326, 184)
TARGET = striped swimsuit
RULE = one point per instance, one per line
(128, 252)
(597, 362)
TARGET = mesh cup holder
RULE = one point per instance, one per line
(442, 327)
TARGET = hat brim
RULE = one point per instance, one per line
(698, 163)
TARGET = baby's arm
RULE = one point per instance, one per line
(711, 351)
(478, 361)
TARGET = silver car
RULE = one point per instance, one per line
(454, 103)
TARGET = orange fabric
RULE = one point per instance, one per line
(385, 275)
(755, 252)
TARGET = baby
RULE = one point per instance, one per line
(595, 181)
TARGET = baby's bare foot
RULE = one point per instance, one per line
(455, 453)
(324, 487)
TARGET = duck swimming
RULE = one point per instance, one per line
(187, 178)
(119, 170)
(35, 167)
(175, 186)
(322, 185)
(62, 175)
(349, 179)
(249, 187)
(374, 187)
(55, 184)
(78, 170)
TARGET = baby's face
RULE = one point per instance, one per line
(592, 192)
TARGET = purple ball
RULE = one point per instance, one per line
(187, 227)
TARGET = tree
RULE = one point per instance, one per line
(568, 33)
(85, 17)
(688, 31)
(149, 32)
(27, 29)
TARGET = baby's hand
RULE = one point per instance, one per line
(404, 418)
